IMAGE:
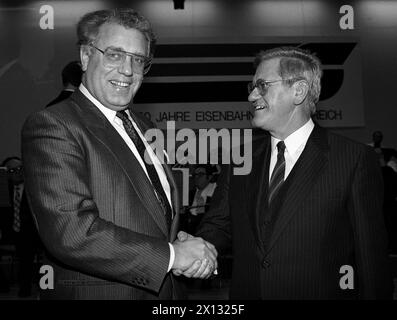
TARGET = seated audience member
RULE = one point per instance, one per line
(200, 196)
(25, 234)
(388, 161)
(385, 154)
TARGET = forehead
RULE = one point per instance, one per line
(268, 69)
(127, 39)
(200, 170)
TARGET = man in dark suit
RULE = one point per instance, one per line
(71, 79)
(306, 223)
(200, 196)
(107, 215)
(25, 234)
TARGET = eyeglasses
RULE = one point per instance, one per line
(263, 85)
(15, 170)
(114, 58)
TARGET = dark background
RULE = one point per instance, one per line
(41, 54)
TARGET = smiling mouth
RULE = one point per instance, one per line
(260, 107)
(120, 84)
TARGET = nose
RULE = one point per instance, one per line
(254, 95)
(126, 67)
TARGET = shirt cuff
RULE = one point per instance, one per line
(172, 257)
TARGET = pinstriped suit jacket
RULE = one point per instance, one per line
(95, 209)
(327, 214)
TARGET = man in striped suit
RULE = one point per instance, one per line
(107, 217)
(306, 223)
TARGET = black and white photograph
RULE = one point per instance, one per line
(191, 151)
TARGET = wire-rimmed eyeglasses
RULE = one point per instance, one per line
(15, 170)
(263, 85)
(114, 58)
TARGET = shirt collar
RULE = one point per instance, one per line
(208, 190)
(296, 139)
(108, 113)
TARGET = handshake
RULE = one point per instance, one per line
(194, 257)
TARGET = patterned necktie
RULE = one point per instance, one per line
(16, 225)
(277, 178)
(133, 134)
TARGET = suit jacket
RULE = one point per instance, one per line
(62, 96)
(95, 208)
(327, 214)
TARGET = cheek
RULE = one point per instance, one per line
(137, 78)
(97, 77)
(277, 103)
(137, 82)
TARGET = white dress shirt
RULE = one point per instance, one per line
(208, 191)
(117, 123)
(294, 145)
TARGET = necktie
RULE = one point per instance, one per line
(16, 225)
(277, 178)
(133, 134)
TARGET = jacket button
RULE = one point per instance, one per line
(265, 264)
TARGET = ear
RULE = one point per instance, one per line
(84, 57)
(300, 93)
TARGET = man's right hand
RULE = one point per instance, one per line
(195, 256)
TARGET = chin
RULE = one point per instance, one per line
(120, 102)
(257, 122)
(260, 124)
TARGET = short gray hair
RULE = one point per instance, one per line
(89, 24)
(297, 63)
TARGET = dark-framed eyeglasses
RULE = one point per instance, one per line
(114, 58)
(263, 85)
(15, 170)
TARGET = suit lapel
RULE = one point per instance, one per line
(100, 127)
(301, 180)
(257, 184)
(175, 201)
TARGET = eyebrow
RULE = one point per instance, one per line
(122, 49)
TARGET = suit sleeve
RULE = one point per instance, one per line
(69, 224)
(365, 208)
(215, 227)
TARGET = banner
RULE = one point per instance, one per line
(204, 85)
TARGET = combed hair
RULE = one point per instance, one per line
(89, 24)
(3, 164)
(297, 63)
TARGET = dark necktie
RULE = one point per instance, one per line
(277, 178)
(16, 225)
(133, 134)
